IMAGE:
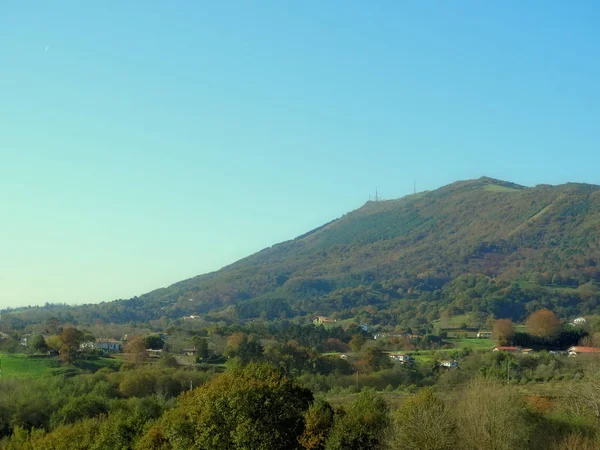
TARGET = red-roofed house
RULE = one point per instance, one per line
(579, 350)
(504, 348)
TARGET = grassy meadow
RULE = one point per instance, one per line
(19, 365)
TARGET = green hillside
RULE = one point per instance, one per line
(480, 246)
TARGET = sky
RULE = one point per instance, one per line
(145, 142)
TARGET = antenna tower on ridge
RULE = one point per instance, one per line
(376, 195)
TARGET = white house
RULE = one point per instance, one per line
(579, 321)
(403, 359)
(192, 317)
(484, 334)
(107, 345)
(449, 363)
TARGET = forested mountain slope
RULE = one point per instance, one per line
(467, 245)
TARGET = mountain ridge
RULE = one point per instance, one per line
(416, 248)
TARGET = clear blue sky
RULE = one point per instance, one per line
(142, 143)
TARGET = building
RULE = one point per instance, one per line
(364, 327)
(579, 321)
(323, 319)
(505, 348)
(583, 351)
(484, 334)
(403, 359)
(192, 317)
(152, 353)
(449, 363)
(107, 345)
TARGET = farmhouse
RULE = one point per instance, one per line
(403, 359)
(504, 348)
(323, 319)
(583, 351)
(449, 363)
(192, 317)
(484, 334)
(107, 345)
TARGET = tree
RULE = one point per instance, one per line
(136, 350)
(249, 407)
(70, 338)
(491, 416)
(249, 350)
(543, 324)
(423, 422)
(201, 345)
(154, 342)
(374, 360)
(361, 426)
(503, 331)
(53, 326)
(319, 419)
(168, 360)
(38, 343)
(54, 342)
(357, 342)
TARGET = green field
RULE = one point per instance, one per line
(475, 344)
(18, 365)
(498, 188)
(454, 321)
(344, 323)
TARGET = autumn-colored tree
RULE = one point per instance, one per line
(543, 323)
(136, 350)
(319, 419)
(357, 342)
(503, 331)
(70, 338)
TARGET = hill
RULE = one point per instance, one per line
(480, 246)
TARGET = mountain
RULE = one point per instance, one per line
(482, 246)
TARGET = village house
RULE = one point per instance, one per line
(192, 317)
(323, 319)
(579, 321)
(505, 348)
(449, 363)
(107, 345)
(583, 351)
(484, 334)
(152, 353)
(403, 359)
